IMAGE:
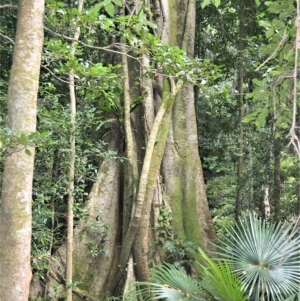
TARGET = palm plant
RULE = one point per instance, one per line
(170, 283)
(265, 257)
(219, 283)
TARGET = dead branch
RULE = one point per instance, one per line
(9, 6)
(294, 139)
(7, 38)
(284, 36)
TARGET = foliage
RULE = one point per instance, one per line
(265, 257)
(261, 260)
(170, 283)
(269, 30)
(268, 84)
(179, 251)
(220, 281)
(271, 93)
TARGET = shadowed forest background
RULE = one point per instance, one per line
(133, 133)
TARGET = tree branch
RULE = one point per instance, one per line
(7, 38)
(293, 135)
(8, 6)
(275, 51)
(55, 76)
(108, 48)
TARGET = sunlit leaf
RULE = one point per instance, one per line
(261, 118)
(217, 3)
(265, 256)
(110, 9)
(205, 3)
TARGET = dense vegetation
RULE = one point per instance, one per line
(243, 70)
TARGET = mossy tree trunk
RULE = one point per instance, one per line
(15, 210)
(163, 170)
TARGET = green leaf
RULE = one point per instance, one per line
(250, 117)
(94, 9)
(28, 152)
(117, 2)
(261, 118)
(141, 16)
(205, 3)
(257, 82)
(295, 297)
(265, 256)
(221, 281)
(170, 283)
(23, 139)
(264, 23)
(276, 72)
(217, 3)
(106, 2)
(150, 24)
(138, 26)
(270, 32)
(110, 9)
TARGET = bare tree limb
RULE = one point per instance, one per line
(293, 135)
(55, 76)
(9, 6)
(284, 37)
(7, 38)
(108, 48)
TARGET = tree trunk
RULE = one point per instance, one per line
(161, 143)
(70, 214)
(239, 172)
(15, 210)
(277, 181)
(267, 211)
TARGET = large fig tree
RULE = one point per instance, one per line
(157, 194)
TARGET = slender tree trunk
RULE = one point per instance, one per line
(250, 202)
(266, 209)
(239, 172)
(266, 204)
(69, 258)
(15, 210)
(277, 182)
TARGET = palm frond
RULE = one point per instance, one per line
(170, 283)
(222, 283)
(295, 297)
(265, 257)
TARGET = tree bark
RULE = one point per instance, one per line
(15, 210)
(277, 181)
(70, 214)
(239, 171)
(161, 144)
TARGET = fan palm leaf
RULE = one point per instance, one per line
(170, 283)
(265, 257)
